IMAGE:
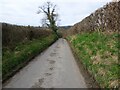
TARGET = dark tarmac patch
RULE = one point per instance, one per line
(38, 84)
(52, 61)
(52, 54)
(58, 47)
(51, 68)
(54, 50)
(59, 57)
(48, 60)
(48, 74)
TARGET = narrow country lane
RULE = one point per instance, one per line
(54, 68)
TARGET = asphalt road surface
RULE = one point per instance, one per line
(54, 68)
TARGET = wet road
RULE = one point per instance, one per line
(54, 68)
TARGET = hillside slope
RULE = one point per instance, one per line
(106, 18)
(99, 54)
(95, 41)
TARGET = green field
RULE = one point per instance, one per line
(99, 54)
(23, 52)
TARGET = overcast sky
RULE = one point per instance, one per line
(23, 12)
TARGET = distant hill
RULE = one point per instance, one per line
(65, 27)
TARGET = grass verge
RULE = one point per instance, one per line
(99, 54)
(23, 53)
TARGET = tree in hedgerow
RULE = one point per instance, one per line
(51, 16)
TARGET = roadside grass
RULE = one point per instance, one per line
(99, 53)
(12, 60)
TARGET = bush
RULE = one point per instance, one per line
(13, 34)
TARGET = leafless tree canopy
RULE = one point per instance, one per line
(51, 16)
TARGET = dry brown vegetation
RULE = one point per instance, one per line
(13, 34)
(106, 18)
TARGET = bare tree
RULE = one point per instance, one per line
(51, 16)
